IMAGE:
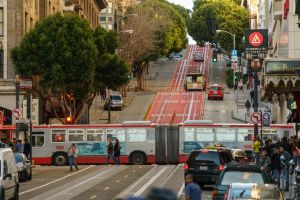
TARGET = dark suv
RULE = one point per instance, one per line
(239, 173)
(205, 165)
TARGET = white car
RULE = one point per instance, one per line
(9, 180)
(176, 57)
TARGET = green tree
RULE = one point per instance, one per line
(221, 14)
(72, 60)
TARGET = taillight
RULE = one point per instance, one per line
(186, 166)
(221, 167)
(214, 193)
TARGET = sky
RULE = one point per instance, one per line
(189, 5)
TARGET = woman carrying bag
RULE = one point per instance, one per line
(72, 155)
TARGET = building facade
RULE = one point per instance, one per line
(108, 17)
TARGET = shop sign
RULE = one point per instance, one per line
(282, 67)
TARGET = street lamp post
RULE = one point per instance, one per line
(233, 36)
(17, 83)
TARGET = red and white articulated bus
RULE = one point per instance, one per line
(143, 142)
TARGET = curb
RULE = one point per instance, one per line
(233, 117)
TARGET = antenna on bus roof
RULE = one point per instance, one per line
(136, 122)
(198, 122)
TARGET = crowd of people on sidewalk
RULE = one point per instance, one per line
(17, 146)
(275, 157)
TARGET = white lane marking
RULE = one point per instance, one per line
(181, 75)
(185, 107)
(62, 178)
(180, 192)
(125, 176)
(191, 105)
(93, 197)
(142, 189)
(128, 190)
(179, 71)
(195, 108)
(117, 181)
(107, 188)
(78, 184)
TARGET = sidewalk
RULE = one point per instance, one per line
(240, 112)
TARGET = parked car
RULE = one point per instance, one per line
(253, 191)
(23, 166)
(205, 165)
(115, 101)
(9, 180)
(215, 91)
(239, 173)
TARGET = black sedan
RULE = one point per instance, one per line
(23, 166)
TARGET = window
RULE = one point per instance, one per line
(208, 157)
(95, 135)
(110, 19)
(102, 18)
(189, 134)
(225, 135)
(244, 135)
(242, 177)
(1, 22)
(137, 135)
(76, 135)
(205, 134)
(37, 139)
(109, 26)
(58, 135)
(114, 134)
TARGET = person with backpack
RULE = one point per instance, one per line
(117, 152)
(109, 150)
(72, 155)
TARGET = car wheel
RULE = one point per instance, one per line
(16, 195)
(138, 158)
(2, 194)
(60, 159)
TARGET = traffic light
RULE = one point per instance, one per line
(215, 57)
(69, 120)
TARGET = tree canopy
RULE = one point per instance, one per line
(208, 16)
(67, 55)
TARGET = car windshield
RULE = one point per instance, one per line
(19, 158)
(215, 88)
(241, 177)
(115, 97)
(209, 157)
(253, 194)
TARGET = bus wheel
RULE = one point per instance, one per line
(59, 159)
(137, 158)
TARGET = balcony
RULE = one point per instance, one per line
(278, 10)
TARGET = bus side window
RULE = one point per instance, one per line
(58, 135)
(137, 135)
(37, 139)
(114, 134)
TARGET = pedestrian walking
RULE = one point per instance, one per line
(265, 161)
(19, 147)
(72, 155)
(285, 159)
(276, 165)
(27, 147)
(117, 152)
(109, 150)
(256, 147)
(248, 105)
(252, 95)
(13, 144)
(192, 190)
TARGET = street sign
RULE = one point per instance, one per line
(17, 113)
(255, 118)
(266, 120)
(25, 83)
(234, 55)
(256, 41)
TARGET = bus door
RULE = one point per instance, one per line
(160, 144)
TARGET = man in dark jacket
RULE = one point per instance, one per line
(26, 148)
(276, 165)
(109, 150)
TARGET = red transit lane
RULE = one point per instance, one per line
(177, 105)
